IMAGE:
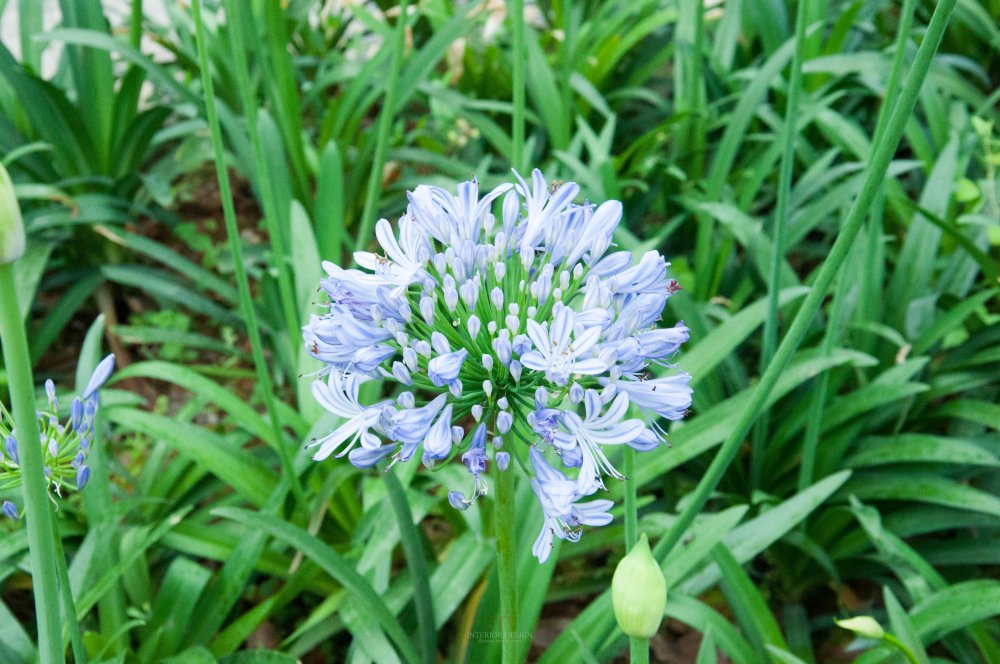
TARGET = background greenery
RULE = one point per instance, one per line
(870, 485)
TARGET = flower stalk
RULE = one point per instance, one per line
(37, 511)
(506, 562)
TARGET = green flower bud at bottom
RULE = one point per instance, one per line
(11, 226)
(639, 592)
(863, 626)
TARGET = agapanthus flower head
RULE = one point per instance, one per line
(509, 319)
(65, 445)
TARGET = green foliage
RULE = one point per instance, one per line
(870, 488)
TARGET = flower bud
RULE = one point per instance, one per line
(11, 226)
(862, 626)
(9, 510)
(639, 592)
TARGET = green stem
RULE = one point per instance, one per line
(902, 647)
(631, 499)
(410, 538)
(790, 132)
(883, 154)
(38, 515)
(69, 605)
(517, 94)
(506, 567)
(239, 266)
(382, 137)
(638, 649)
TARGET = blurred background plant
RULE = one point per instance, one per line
(870, 486)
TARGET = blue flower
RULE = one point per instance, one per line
(438, 443)
(443, 370)
(595, 429)
(669, 397)
(340, 396)
(410, 425)
(99, 377)
(559, 355)
(12, 451)
(513, 310)
(561, 514)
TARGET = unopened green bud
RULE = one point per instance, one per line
(863, 626)
(639, 592)
(11, 226)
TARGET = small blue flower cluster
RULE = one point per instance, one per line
(64, 445)
(502, 330)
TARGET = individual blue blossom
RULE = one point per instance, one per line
(339, 395)
(586, 436)
(12, 453)
(438, 442)
(669, 397)
(100, 376)
(505, 316)
(559, 351)
(443, 370)
(64, 445)
(562, 516)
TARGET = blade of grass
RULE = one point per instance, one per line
(385, 119)
(97, 503)
(239, 266)
(518, 89)
(751, 611)
(722, 164)
(689, 81)
(884, 151)
(29, 15)
(330, 217)
(779, 224)
(276, 234)
(93, 78)
(66, 593)
(333, 564)
(870, 289)
(414, 551)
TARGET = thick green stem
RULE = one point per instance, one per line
(506, 562)
(38, 515)
(883, 153)
(631, 499)
(638, 649)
